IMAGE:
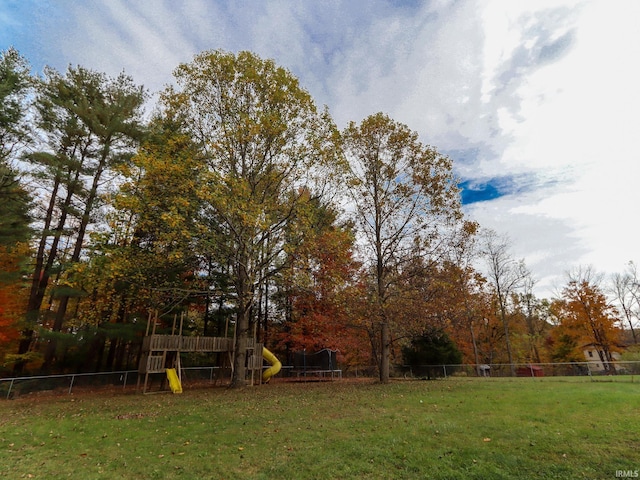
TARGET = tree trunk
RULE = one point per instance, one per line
(374, 341)
(245, 298)
(40, 279)
(384, 353)
(75, 257)
(120, 352)
(512, 367)
(505, 324)
(207, 306)
(98, 346)
(238, 378)
(112, 353)
(475, 347)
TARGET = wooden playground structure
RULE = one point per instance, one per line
(161, 353)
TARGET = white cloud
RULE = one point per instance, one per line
(580, 114)
(545, 91)
(548, 245)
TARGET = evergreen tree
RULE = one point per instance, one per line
(14, 199)
(428, 352)
(14, 85)
(91, 123)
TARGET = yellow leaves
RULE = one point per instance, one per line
(171, 219)
(176, 256)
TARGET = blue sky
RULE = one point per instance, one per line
(536, 101)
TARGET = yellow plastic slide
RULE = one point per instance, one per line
(273, 361)
(174, 381)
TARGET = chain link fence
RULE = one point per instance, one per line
(535, 370)
(127, 381)
(16, 386)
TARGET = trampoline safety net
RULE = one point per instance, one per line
(323, 360)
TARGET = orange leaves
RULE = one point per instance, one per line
(324, 291)
(12, 295)
(585, 317)
(8, 328)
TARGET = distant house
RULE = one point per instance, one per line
(594, 355)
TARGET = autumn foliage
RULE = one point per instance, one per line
(239, 206)
(586, 319)
(12, 296)
(324, 294)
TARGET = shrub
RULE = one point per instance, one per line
(426, 353)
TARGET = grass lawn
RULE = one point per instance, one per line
(445, 429)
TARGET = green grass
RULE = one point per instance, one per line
(446, 429)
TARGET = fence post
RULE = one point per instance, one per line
(10, 387)
(304, 362)
(444, 367)
(71, 384)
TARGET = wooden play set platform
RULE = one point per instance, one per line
(162, 352)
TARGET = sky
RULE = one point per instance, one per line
(536, 102)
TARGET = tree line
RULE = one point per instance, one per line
(239, 204)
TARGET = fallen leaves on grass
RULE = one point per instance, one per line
(129, 416)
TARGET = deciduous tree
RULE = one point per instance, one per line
(506, 275)
(321, 288)
(626, 290)
(587, 317)
(148, 256)
(266, 146)
(405, 199)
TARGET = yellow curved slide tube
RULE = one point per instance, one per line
(273, 361)
(174, 381)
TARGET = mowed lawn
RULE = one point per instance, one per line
(446, 429)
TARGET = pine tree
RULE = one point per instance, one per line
(91, 123)
(14, 199)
